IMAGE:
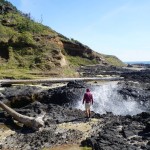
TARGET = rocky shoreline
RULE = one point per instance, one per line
(65, 124)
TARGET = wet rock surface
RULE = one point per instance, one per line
(120, 132)
(137, 91)
(142, 76)
(69, 94)
(92, 71)
(128, 132)
(19, 96)
(58, 104)
(45, 138)
(137, 86)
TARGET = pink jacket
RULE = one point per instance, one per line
(88, 98)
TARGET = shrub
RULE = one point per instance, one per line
(12, 63)
(6, 33)
(77, 61)
(26, 38)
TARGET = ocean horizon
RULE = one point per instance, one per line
(137, 62)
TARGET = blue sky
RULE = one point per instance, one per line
(114, 27)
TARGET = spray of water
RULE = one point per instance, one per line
(107, 99)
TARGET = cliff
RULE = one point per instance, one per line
(28, 48)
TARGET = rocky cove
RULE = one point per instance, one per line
(120, 114)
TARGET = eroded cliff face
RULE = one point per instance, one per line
(77, 49)
(52, 47)
(27, 44)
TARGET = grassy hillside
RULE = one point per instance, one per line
(29, 49)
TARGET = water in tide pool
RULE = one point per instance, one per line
(107, 99)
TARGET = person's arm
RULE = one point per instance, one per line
(83, 99)
(92, 99)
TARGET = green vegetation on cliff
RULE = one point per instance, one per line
(113, 60)
(28, 48)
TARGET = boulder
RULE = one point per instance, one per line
(19, 96)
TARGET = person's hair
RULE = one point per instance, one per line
(87, 90)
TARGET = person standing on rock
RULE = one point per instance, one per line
(88, 100)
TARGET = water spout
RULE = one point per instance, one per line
(107, 99)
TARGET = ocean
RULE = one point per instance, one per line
(137, 62)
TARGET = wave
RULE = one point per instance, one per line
(107, 99)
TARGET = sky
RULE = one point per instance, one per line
(113, 27)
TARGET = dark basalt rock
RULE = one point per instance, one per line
(135, 90)
(120, 133)
(147, 128)
(140, 76)
(113, 132)
(127, 73)
(92, 71)
(19, 96)
(66, 95)
(45, 138)
(54, 113)
(49, 135)
(2, 117)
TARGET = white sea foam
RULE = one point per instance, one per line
(107, 99)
